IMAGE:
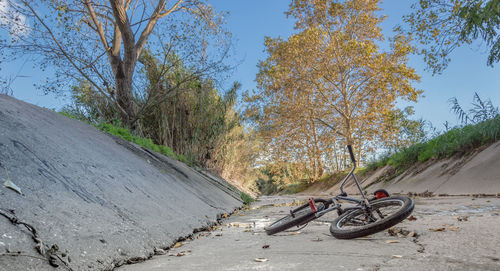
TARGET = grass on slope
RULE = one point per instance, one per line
(247, 199)
(144, 142)
(149, 144)
(127, 135)
(457, 141)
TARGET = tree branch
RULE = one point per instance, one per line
(154, 18)
(68, 57)
(123, 26)
(100, 30)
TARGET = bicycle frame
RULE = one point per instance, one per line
(365, 212)
(361, 203)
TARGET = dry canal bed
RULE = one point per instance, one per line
(445, 233)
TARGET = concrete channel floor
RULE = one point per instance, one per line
(442, 242)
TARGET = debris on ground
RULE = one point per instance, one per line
(180, 254)
(179, 244)
(437, 229)
(401, 232)
(12, 186)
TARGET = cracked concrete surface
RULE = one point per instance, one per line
(442, 243)
(102, 200)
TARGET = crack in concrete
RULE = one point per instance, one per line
(49, 252)
(421, 247)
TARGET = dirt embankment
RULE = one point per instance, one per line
(89, 200)
(474, 173)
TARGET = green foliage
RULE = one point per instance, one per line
(482, 19)
(440, 26)
(401, 131)
(284, 178)
(144, 142)
(247, 199)
(481, 111)
(377, 163)
(481, 126)
(190, 115)
(88, 106)
(68, 114)
(270, 187)
(294, 188)
(267, 187)
(457, 141)
(118, 130)
(406, 157)
(183, 116)
(334, 178)
(125, 133)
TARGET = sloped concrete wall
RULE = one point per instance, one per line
(475, 173)
(101, 199)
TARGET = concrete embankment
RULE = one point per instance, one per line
(477, 172)
(88, 200)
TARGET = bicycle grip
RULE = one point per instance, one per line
(349, 147)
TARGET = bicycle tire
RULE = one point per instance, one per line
(302, 216)
(406, 207)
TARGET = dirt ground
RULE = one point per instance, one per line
(450, 233)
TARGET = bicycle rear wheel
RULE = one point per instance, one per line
(301, 216)
(387, 211)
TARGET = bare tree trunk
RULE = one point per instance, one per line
(124, 99)
(318, 163)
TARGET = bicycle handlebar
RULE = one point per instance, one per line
(349, 147)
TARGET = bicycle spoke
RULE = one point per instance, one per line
(361, 217)
(382, 214)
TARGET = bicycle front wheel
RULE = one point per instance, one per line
(386, 212)
(301, 216)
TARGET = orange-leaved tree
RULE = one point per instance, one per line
(330, 84)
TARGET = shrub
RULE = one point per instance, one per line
(247, 199)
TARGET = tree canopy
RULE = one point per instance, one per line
(330, 85)
(101, 41)
(440, 26)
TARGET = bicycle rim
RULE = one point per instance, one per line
(380, 211)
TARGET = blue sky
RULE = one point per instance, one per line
(251, 20)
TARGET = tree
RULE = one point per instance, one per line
(201, 126)
(443, 25)
(102, 41)
(404, 132)
(329, 84)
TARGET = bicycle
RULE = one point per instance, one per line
(368, 216)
